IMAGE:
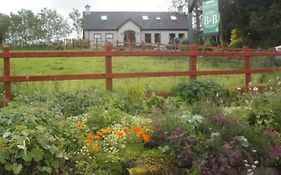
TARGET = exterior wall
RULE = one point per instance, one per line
(89, 35)
(164, 35)
(129, 26)
(140, 35)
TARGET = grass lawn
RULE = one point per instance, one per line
(60, 66)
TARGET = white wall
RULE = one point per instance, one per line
(129, 26)
(140, 35)
(90, 36)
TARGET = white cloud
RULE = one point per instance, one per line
(64, 7)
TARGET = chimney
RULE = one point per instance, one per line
(88, 9)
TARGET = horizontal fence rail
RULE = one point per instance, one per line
(193, 52)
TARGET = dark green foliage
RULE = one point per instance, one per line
(192, 91)
(73, 104)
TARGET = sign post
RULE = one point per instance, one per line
(210, 17)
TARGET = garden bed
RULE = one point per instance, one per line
(205, 130)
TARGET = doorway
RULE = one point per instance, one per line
(129, 37)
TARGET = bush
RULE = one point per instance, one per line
(193, 91)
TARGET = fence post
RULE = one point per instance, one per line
(7, 72)
(117, 44)
(193, 62)
(108, 67)
(142, 45)
(247, 62)
(96, 43)
(158, 45)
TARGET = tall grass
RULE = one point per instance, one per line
(61, 66)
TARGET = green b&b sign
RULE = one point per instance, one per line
(210, 17)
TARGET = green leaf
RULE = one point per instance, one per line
(27, 157)
(47, 169)
(16, 168)
(3, 155)
(37, 154)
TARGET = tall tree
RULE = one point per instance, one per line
(53, 25)
(77, 22)
(4, 26)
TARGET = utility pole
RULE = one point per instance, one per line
(191, 4)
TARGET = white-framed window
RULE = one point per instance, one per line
(109, 37)
(103, 17)
(97, 37)
(145, 18)
(174, 18)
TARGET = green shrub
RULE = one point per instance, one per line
(33, 141)
(192, 91)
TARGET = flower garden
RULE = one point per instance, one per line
(204, 129)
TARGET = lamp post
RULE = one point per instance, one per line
(191, 4)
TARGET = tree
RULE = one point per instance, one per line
(77, 22)
(53, 25)
(4, 26)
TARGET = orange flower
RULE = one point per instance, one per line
(99, 133)
(95, 147)
(120, 133)
(127, 129)
(138, 131)
(146, 138)
(96, 137)
(106, 130)
(90, 138)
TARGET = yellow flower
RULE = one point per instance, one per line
(95, 147)
(80, 125)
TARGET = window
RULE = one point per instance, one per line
(97, 37)
(157, 38)
(109, 37)
(181, 35)
(103, 18)
(174, 18)
(145, 17)
(172, 37)
(158, 18)
(147, 37)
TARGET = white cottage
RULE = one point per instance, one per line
(136, 27)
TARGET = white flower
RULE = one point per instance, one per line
(254, 151)
(245, 161)
(255, 89)
(247, 165)
(238, 88)
(253, 166)
(256, 162)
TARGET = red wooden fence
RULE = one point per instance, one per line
(192, 52)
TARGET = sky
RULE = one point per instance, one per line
(64, 7)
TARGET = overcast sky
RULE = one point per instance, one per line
(64, 7)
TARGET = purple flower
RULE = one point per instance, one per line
(271, 133)
(275, 152)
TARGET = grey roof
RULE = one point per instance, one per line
(116, 19)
